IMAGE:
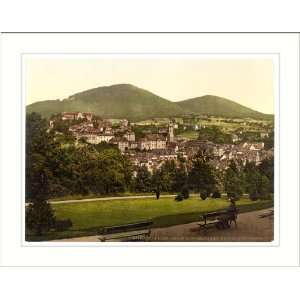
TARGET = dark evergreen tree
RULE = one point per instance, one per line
(266, 168)
(234, 181)
(40, 150)
(257, 183)
(39, 217)
(202, 177)
(143, 180)
(180, 178)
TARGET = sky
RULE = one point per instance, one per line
(248, 81)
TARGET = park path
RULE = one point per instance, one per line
(251, 228)
(109, 198)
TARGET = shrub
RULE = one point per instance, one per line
(62, 225)
(254, 196)
(39, 217)
(266, 196)
(179, 197)
(185, 192)
(216, 194)
(203, 195)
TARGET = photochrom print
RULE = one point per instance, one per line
(149, 148)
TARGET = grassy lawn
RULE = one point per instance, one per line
(89, 216)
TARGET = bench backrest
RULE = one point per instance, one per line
(216, 214)
(127, 227)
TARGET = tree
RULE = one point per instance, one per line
(264, 187)
(251, 177)
(214, 134)
(157, 181)
(202, 177)
(112, 172)
(61, 126)
(39, 176)
(257, 183)
(269, 141)
(234, 183)
(104, 146)
(180, 179)
(266, 168)
(166, 176)
(143, 180)
(39, 217)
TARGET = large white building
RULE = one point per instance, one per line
(121, 142)
(76, 116)
(151, 142)
(93, 136)
(130, 136)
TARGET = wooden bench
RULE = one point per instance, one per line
(270, 213)
(213, 219)
(128, 232)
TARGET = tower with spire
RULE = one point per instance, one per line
(171, 133)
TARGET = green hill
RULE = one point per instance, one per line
(221, 107)
(135, 104)
(117, 101)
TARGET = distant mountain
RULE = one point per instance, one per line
(218, 106)
(135, 104)
(116, 101)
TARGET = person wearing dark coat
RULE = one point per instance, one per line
(231, 216)
(232, 210)
(157, 193)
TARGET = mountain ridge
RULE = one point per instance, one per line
(136, 104)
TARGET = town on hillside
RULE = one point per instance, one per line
(152, 142)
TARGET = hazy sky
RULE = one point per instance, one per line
(246, 81)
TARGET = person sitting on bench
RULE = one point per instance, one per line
(230, 216)
(232, 209)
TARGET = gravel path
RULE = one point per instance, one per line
(108, 198)
(250, 228)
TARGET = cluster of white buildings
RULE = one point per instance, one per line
(91, 134)
(222, 154)
(154, 159)
(97, 131)
(251, 152)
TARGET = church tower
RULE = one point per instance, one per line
(171, 133)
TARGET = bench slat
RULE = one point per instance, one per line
(122, 235)
(208, 223)
(125, 227)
